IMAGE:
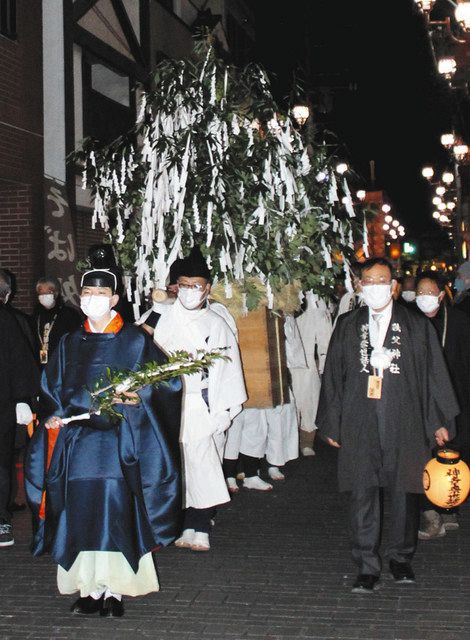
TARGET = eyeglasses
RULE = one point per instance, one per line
(197, 286)
(381, 280)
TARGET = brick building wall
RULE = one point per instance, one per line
(16, 205)
(21, 152)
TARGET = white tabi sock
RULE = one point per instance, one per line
(96, 595)
(110, 594)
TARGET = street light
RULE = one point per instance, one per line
(462, 14)
(460, 151)
(388, 219)
(427, 172)
(447, 67)
(300, 113)
(441, 206)
(386, 227)
(425, 5)
(447, 140)
(447, 177)
(361, 194)
(341, 168)
(450, 205)
(440, 191)
(395, 223)
(436, 200)
(386, 208)
(436, 215)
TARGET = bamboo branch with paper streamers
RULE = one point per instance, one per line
(212, 161)
(119, 385)
(115, 387)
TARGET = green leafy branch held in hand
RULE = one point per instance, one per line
(117, 386)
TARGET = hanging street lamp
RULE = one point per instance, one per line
(447, 67)
(462, 15)
(460, 151)
(427, 172)
(447, 140)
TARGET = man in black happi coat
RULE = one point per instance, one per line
(386, 400)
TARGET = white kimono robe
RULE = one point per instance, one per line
(315, 331)
(202, 427)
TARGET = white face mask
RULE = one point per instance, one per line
(427, 304)
(95, 307)
(408, 296)
(377, 296)
(191, 298)
(47, 300)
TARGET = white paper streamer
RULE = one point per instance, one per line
(347, 276)
(365, 238)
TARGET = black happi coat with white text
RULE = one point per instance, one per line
(388, 441)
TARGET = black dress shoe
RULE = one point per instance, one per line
(365, 583)
(86, 606)
(402, 572)
(112, 608)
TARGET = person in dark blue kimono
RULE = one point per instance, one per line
(105, 494)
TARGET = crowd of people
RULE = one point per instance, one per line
(383, 376)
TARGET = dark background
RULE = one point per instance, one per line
(384, 98)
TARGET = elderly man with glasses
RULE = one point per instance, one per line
(386, 400)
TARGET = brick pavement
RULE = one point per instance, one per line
(279, 569)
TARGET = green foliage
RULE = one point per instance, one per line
(111, 390)
(210, 161)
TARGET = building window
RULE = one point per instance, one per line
(108, 109)
(109, 83)
(8, 18)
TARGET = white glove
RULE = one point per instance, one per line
(24, 414)
(221, 422)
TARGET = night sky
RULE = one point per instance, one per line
(387, 102)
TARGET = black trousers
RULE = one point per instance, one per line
(247, 464)
(366, 508)
(7, 453)
(199, 519)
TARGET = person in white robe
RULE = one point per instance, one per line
(306, 364)
(270, 432)
(211, 400)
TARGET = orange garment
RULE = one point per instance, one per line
(114, 326)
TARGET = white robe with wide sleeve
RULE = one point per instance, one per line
(315, 331)
(203, 426)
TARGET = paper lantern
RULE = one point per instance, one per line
(446, 479)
